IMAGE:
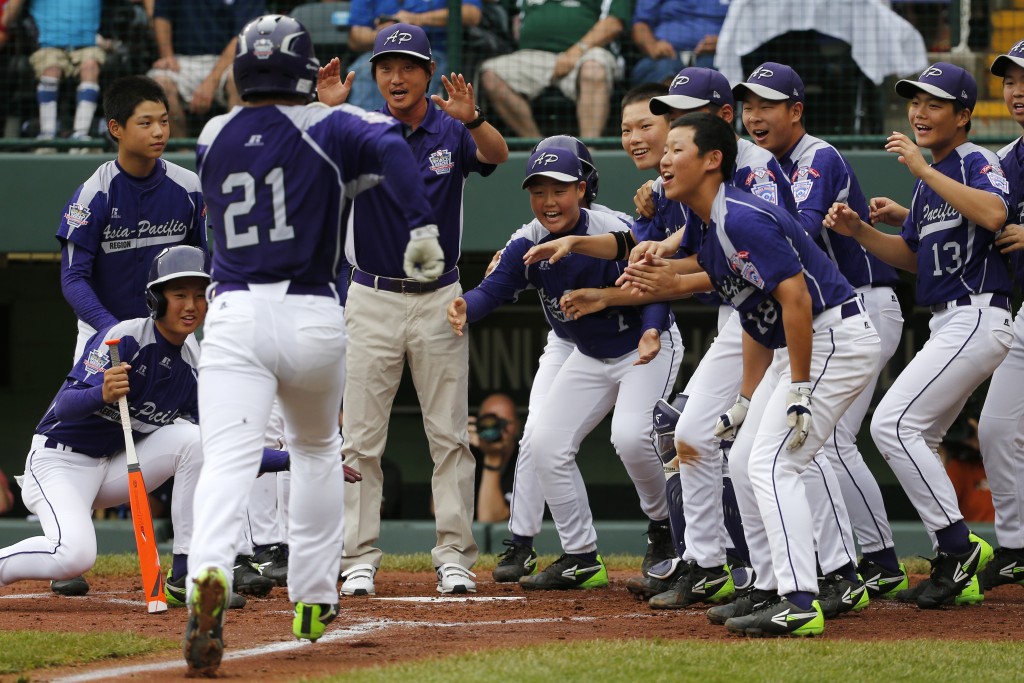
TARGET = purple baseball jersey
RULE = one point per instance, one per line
(275, 220)
(612, 333)
(444, 155)
(162, 387)
(113, 227)
(1011, 158)
(821, 176)
(750, 247)
(955, 257)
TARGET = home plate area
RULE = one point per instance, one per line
(407, 620)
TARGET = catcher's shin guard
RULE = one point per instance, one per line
(665, 416)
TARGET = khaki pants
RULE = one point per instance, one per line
(385, 329)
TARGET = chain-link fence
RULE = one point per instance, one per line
(540, 67)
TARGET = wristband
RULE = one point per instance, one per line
(477, 122)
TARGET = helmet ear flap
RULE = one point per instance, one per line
(156, 302)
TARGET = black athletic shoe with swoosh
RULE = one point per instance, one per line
(882, 583)
(567, 572)
(779, 617)
(697, 584)
(952, 573)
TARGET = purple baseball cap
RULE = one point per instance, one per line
(693, 88)
(943, 80)
(772, 81)
(401, 39)
(554, 162)
(1014, 56)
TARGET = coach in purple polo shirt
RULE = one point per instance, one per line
(391, 318)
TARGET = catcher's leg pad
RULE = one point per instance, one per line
(665, 416)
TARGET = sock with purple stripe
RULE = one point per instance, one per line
(589, 557)
(179, 566)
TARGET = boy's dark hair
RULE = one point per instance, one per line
(957, 108)
(125, 94)
(711, 133)
(643, 93)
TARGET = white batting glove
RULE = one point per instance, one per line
(424, 258)
(798, 412)
(729, 423)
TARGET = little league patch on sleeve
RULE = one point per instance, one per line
(441, 162)
(77, 215)
(996, 177)
(803, 183)
(745, 269)
(762, 184)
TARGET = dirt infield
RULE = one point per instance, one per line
(407, 620)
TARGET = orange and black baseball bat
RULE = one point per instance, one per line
(142, 518)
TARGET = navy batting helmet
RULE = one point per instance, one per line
(275, 56)
(170, 264)
(579, 149)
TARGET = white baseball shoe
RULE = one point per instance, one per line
(358, 580)
(454, 578)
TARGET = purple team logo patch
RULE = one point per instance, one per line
(744, 268)
(96, 362)
(441, 162)
(77, 215)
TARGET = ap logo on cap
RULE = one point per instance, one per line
(399, 37)
(931, 71)
(545, 159)
(761, 72)
(679, 80)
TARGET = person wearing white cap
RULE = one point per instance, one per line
(626, 359)
(947, 237)
(1000, 429)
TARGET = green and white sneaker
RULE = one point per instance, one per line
(779, 617)
(1006, 566)
(204, 633)
(311, 621)
(174, 589)
(881, 582)
(568, 571)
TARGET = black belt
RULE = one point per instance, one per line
(293, 288)
(850, 309)
(404, 285)
(997, 301)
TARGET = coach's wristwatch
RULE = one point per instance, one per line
(478, 121)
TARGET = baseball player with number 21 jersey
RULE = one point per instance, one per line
(947, 237)
(278, 174)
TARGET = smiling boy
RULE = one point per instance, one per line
(626, 358)
(126, 213)
(947, 237)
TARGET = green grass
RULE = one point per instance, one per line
(26, 650)
(750, 661)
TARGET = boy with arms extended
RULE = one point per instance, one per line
(947, 238)
(627, 358)
(788, 296)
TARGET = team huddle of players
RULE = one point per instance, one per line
(756, 492)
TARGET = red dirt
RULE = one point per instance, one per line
(440, 628)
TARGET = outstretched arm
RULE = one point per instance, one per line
(890, 248)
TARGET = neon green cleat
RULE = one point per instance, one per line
(311, 621)
(567, 572)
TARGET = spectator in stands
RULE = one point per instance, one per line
(68, 31)
(564, 45)
(494, 440)
(369, 16)
(673, 34)
(196, 42)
